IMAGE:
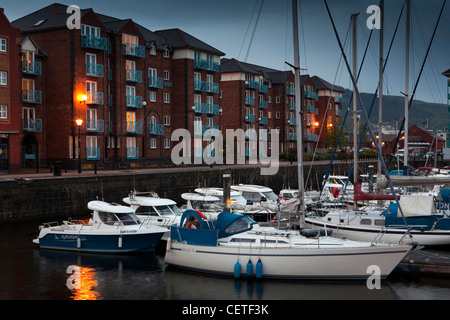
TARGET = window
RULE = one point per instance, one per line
(277, 99)
(3, 112)
(166, 97)
(91, 61)
(198, 125)
(152, 96)
(131, 70)
(27, 61)
(152, 77)
(277, 115)
(3, 78)
(166, 75)
(152, 143)
(153, 50)
(91, 119)
(3, 47)
(90, 30)
(91, 148)
(167, 120)
(166, 143)
(166, 52)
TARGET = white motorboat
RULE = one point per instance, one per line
(236, 245)
(112, 229)
(153, 210)
(261, 201)
(209, 205)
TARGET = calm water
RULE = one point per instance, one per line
(27, 273)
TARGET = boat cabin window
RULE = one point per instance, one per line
(254, 196)
(147, 210)
(379, 222)
(366, 222)
(110, 218)
(290, 195)
(271, 196)
(272, 241)
(243, 240)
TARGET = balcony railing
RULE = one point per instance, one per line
(93, 153)
(94, 97)
(263, 89)
(32, 96)
(292, 137)
(206, 86)
(155, 82)
(250, 100)
(292, 121)
(290, 91)
(132, 153)
(263, 120)
(94, 70)
(130, 49)
(134, 76)
(206, 65)
(339, 112)
(95, 125)
(206, 127)
(134, 101)
(32, 67)
(310, 108)
(338, 99)
(134, 127)
(207, 108)
(32, 125)
(263, 104)
(311, 137)
(93, 42)
(249, 118)
(311, 95)
(292, 106)
(252, 84)
(156, 129)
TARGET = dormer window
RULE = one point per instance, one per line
(166, 52)
(153, 50)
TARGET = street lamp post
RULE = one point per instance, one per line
(79, 123)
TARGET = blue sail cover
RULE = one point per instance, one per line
(207, 232)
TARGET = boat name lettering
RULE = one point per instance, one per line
(127, 231)
(442, 205)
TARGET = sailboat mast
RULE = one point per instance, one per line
(380, 89)
(298, 109)
(408, 26)
(355, 115)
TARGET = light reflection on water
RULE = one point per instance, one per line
(29, 273)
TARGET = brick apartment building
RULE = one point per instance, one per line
(131, 88)
(10, 95)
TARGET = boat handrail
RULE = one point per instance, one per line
(50, 224)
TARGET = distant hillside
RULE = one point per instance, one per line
(394, 107)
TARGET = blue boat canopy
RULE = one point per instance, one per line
(195, 230)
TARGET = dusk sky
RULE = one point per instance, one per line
(228, 26)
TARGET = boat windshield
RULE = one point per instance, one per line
(110, 218)
(240, 225)
(271, 196)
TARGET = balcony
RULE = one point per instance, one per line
(206, 65)
(206, 127)
(134, 76)
(338, 99)
(252, 84)
(156, 129)
(94, 125)
(310, 108)
(250, 134)
(135, 50)
(249, 118)
(263, 120)
(250, 101)
(292, 137)
(155, 82)
(311, 95)
(263, 104)
(207, 108)
(134, 101)
(263, 89)
(132, 153)
(94, 70)
(134, 127)
(290, 91)
(311, 137)
(292, 106)
(292, 121)
(32, 125)
(93, 153)
(32, 67)
(93, 42)
(206, 86)
(32, 96)
(94, 97)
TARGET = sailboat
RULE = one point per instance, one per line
(235, 245)
(418, 220)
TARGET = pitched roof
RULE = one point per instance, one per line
(40, 51)
(177, 39)
(321, 84)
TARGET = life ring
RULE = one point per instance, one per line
(193, 222)
(279, 199)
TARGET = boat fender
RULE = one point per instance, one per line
(169, 244)
(237, 269)
(120, 242)
(78, 243)
(249, 268)
(259, 269)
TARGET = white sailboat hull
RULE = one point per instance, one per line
(288, 263)
(383, 235)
